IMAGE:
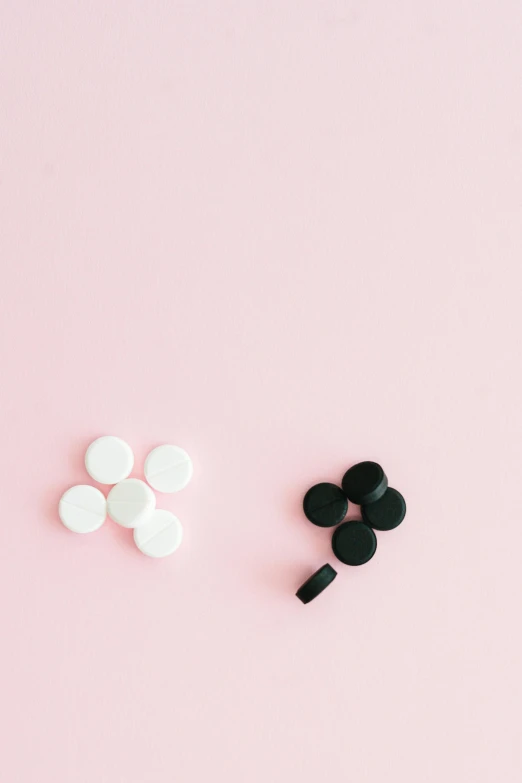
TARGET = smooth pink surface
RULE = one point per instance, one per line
(287, 237)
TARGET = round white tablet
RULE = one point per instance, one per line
(160, 536)
(83, 508)
(131, 503)
(109, 460)
(168, 468)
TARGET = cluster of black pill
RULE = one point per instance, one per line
(353, 542)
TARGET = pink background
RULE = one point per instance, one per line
(286, 236)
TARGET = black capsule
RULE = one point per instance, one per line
(325, 504)
(365, 483)
(354, 543)
(316, 583)
(387, 512)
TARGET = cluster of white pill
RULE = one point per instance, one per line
(131, 502)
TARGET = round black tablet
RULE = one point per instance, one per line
(365, 483)
(354, 543)
(316, 583)
(325, 504)
(387, 512)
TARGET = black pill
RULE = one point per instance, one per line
(387, 512)
(354, 543)
(325, 504)
(316, 583)
(365, 483)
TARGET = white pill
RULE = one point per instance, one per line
(109, 460)
(131, 503)
(83, 508)
(160, 536)
(168, 468)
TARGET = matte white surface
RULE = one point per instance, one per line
(109, 460)
(131, 502)
(83, 508)
(160, 536)
(168, 468)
